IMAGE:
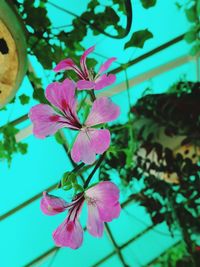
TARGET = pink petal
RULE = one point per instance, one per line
(94, 224)
(83, 60)
(85, 85)
(104, 81)
(68, 234)
(45, 120)
(106, 197)
(108, 214)
(82, 150)
(51, 205)
(107, 64)
(62, 96)
(100, 140)
(103, 110)
(67, 64)
(88, 143)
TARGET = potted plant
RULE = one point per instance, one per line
(13, 55)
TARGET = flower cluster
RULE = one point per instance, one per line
(47, 120)
(103, 206)
(92, 138)
(88, 80)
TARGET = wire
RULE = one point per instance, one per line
(53, 258)
(128, 8)
(145, 224)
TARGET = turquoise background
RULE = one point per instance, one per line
(26, 234)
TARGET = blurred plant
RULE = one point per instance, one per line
(176, 256)
(59, 41)
(192, 12)
(170, 177)
(8, 144)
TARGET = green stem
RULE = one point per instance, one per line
(183, 229)
(120, 127)
(129, 114)
(92, 95)
(94, 170)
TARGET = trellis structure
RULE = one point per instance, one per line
(49, 256)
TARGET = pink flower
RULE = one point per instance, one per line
(103, 206)
(90, 141)
(70, 232)
(88, 80)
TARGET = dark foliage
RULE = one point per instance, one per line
(177, 113)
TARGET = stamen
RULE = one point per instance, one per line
(91, 201)
(73, 212)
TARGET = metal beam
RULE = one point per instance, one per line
(148, 75)
(117, 248)
(132, 82)
(121, 68)
(23, 118)
(42, 257)
(26, 203)
(150, 53)
(123, 246)
(38, 196)
(49, 252)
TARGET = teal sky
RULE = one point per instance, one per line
(26, 234)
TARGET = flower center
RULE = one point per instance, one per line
(90, 201)
(84, 128)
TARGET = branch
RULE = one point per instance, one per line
(94, 170)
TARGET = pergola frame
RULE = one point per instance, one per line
(115, 90)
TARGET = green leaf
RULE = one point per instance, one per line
(8, 144)
(23, 148)
(198, 6)
(39, 95)
(3, 109)
(78, 188)
(92, 4)
(68, 178)
(38, 19)
(139, 38)
(178, 5)
(24, 99)
(148, 3)
(43, 52)
(12, 101)
(111, 17)
(34, 79)
(59, 138)
(195, 49)
(91, 63)
(190, 36)
(121, 6)
(191, 13)
(67, 187)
